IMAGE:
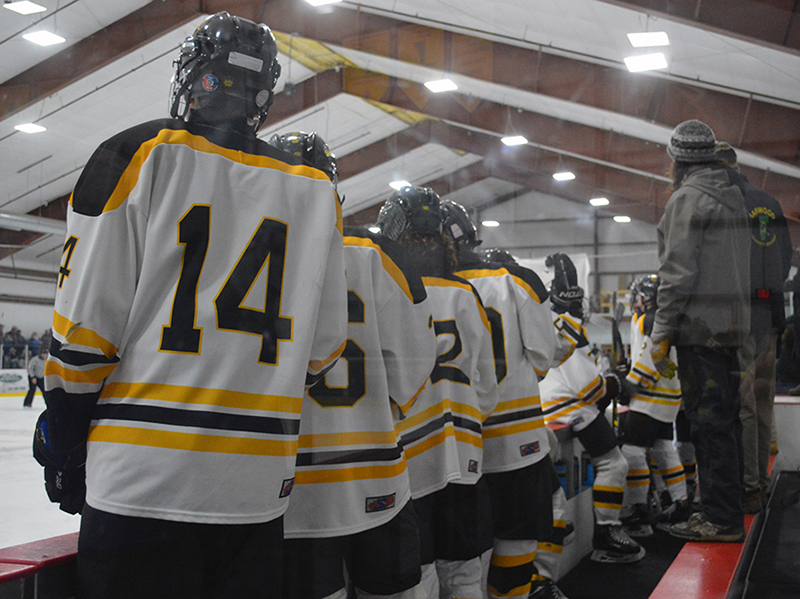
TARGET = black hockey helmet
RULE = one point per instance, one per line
(565, 293)
(413, 210)
(459, 226)
(497, 255)
(230, 65)
(312, 149)
(644, 290)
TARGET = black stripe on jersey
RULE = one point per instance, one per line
(580, 339)
(473, 262)
(349, 456)
(645, 375)
(434, 425)
(658, 395)
(78, 358)
(513, 416)
(197, 419)
(612, 497)
(560, 405)
(394, 251)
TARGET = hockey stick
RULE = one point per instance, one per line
(617, 353)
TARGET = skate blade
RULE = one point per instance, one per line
(610, 557)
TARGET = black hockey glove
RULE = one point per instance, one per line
(64, 478)
(613, 388)
(565, 293)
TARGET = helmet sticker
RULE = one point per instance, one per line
(238, 59)
(210, 83)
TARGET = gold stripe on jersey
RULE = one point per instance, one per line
(130, 177)
(512, 429)
(149, 437)
(316, 366)
(199, 396)
(444, 406)
(94, 374)
(439, 282)
(342, 475)
(348, 439)
(469, 437)
(387, 263)
(75, 334)
(480, 273)
(407, 406)
(416, 449)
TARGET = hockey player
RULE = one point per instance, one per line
(201, 287)
(648, 424)
(516, 461)
(441, 434)
(575, 394)
(351, 502)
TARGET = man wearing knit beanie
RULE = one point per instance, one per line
(704, 311)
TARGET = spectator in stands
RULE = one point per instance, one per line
(770, 261)
(704, 311)
(35, 377)
(34, 344)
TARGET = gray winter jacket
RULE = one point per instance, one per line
(704, 250)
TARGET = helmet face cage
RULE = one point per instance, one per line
(412, 210)
(312, 149)
(497, 255)
(458, 225)
(644, 293)
(227, 56)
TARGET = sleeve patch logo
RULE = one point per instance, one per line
(380, 504)
(473, 466)
(286, 487)
(529, 448)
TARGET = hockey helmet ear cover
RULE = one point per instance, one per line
(565, 293)
(411, 210)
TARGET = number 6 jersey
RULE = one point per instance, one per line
(202, 282)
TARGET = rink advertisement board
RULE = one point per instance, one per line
(13, 381)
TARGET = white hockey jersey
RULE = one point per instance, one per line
(442, 432)
(351, 472)
(656, 396)
(571, 390)
(201, 283)
(524, 343)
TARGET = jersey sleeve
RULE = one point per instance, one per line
(570, 335)
(535, 322)
(484, 379)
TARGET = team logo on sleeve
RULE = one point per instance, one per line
(210, 83)
(473, 466)
(286, 487)
(380, 504)
(529, 448)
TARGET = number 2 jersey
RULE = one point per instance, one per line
(351, 471)
(202, 283)
(524, 343)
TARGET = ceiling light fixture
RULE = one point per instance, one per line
(622, 219)
(441, 85)
(599, 201)
(646, 62)
(564, 176)
(514, 140)
(30, 128)
(490, 223)
(24, 7)
(322, 2)
(399, 184)
(649, 39)
(44, 38)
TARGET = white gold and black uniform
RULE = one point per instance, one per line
(194, 329)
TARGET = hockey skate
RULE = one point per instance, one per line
(637, 520)
(546, 589)
(613, 546)
(678, 511)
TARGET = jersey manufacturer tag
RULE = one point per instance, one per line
(286, 487)
(529, 448)
(473, 466)
(380, 504)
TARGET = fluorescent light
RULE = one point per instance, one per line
(651, 38)
(514, 140)
(599, 201)
(399, 184)
(374, 229)
(646, 62)
(30, 128)
(490, 223)
(441, 85)
(622, 219)
(24, 7)
(564, 176)
(44, 38)
(322, 2)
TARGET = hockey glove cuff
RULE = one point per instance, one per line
(660, 355)
(64, 478)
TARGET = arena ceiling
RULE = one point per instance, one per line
(551, 70)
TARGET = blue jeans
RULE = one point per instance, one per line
(710, 388)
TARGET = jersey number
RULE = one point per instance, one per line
(267, 247)
(442, 370)
(498, 343)
(346, 397)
